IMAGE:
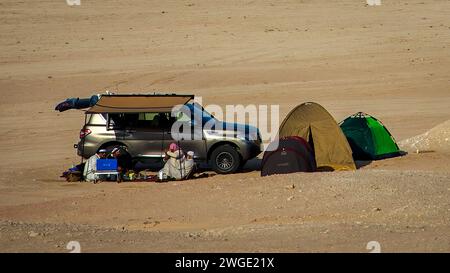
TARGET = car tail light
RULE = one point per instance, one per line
(84, 133)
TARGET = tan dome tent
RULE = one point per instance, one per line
(313, 123)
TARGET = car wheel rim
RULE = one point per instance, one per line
(224, 161)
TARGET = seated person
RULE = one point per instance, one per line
(124, 161)
(177, 166)
(91, 166)
(188, 166)
(172, 159)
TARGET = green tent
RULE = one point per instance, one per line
(368, 138)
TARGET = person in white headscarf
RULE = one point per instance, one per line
(90, 166)
(188, 165)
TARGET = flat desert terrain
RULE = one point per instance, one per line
(391, 61)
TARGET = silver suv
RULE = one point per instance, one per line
(223, 146)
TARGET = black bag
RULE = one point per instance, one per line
(74, 177)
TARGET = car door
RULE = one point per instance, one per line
(144, 136)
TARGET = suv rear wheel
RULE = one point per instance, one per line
(110, 147)
(225, 159)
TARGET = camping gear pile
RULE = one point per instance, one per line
(309, 139)
(74, 174)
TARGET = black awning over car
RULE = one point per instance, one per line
(138, 103)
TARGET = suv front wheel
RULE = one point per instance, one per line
(225, 159)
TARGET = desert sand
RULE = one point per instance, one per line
(391, 61)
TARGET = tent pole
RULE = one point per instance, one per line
(83, 140)
(179, 158)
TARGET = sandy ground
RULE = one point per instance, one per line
(391, 61)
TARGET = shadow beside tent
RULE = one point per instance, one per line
(362, 163)
(252, 165)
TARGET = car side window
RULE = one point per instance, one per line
(153, 121)
(115, 122)
(140, 121)
(122, 121)
(182, 117)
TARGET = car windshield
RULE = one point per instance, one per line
(198, 110)
(206, 115)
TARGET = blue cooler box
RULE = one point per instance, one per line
(106, 165)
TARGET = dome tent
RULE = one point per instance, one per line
(369, 138)
(288, 155)
(313, 123)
